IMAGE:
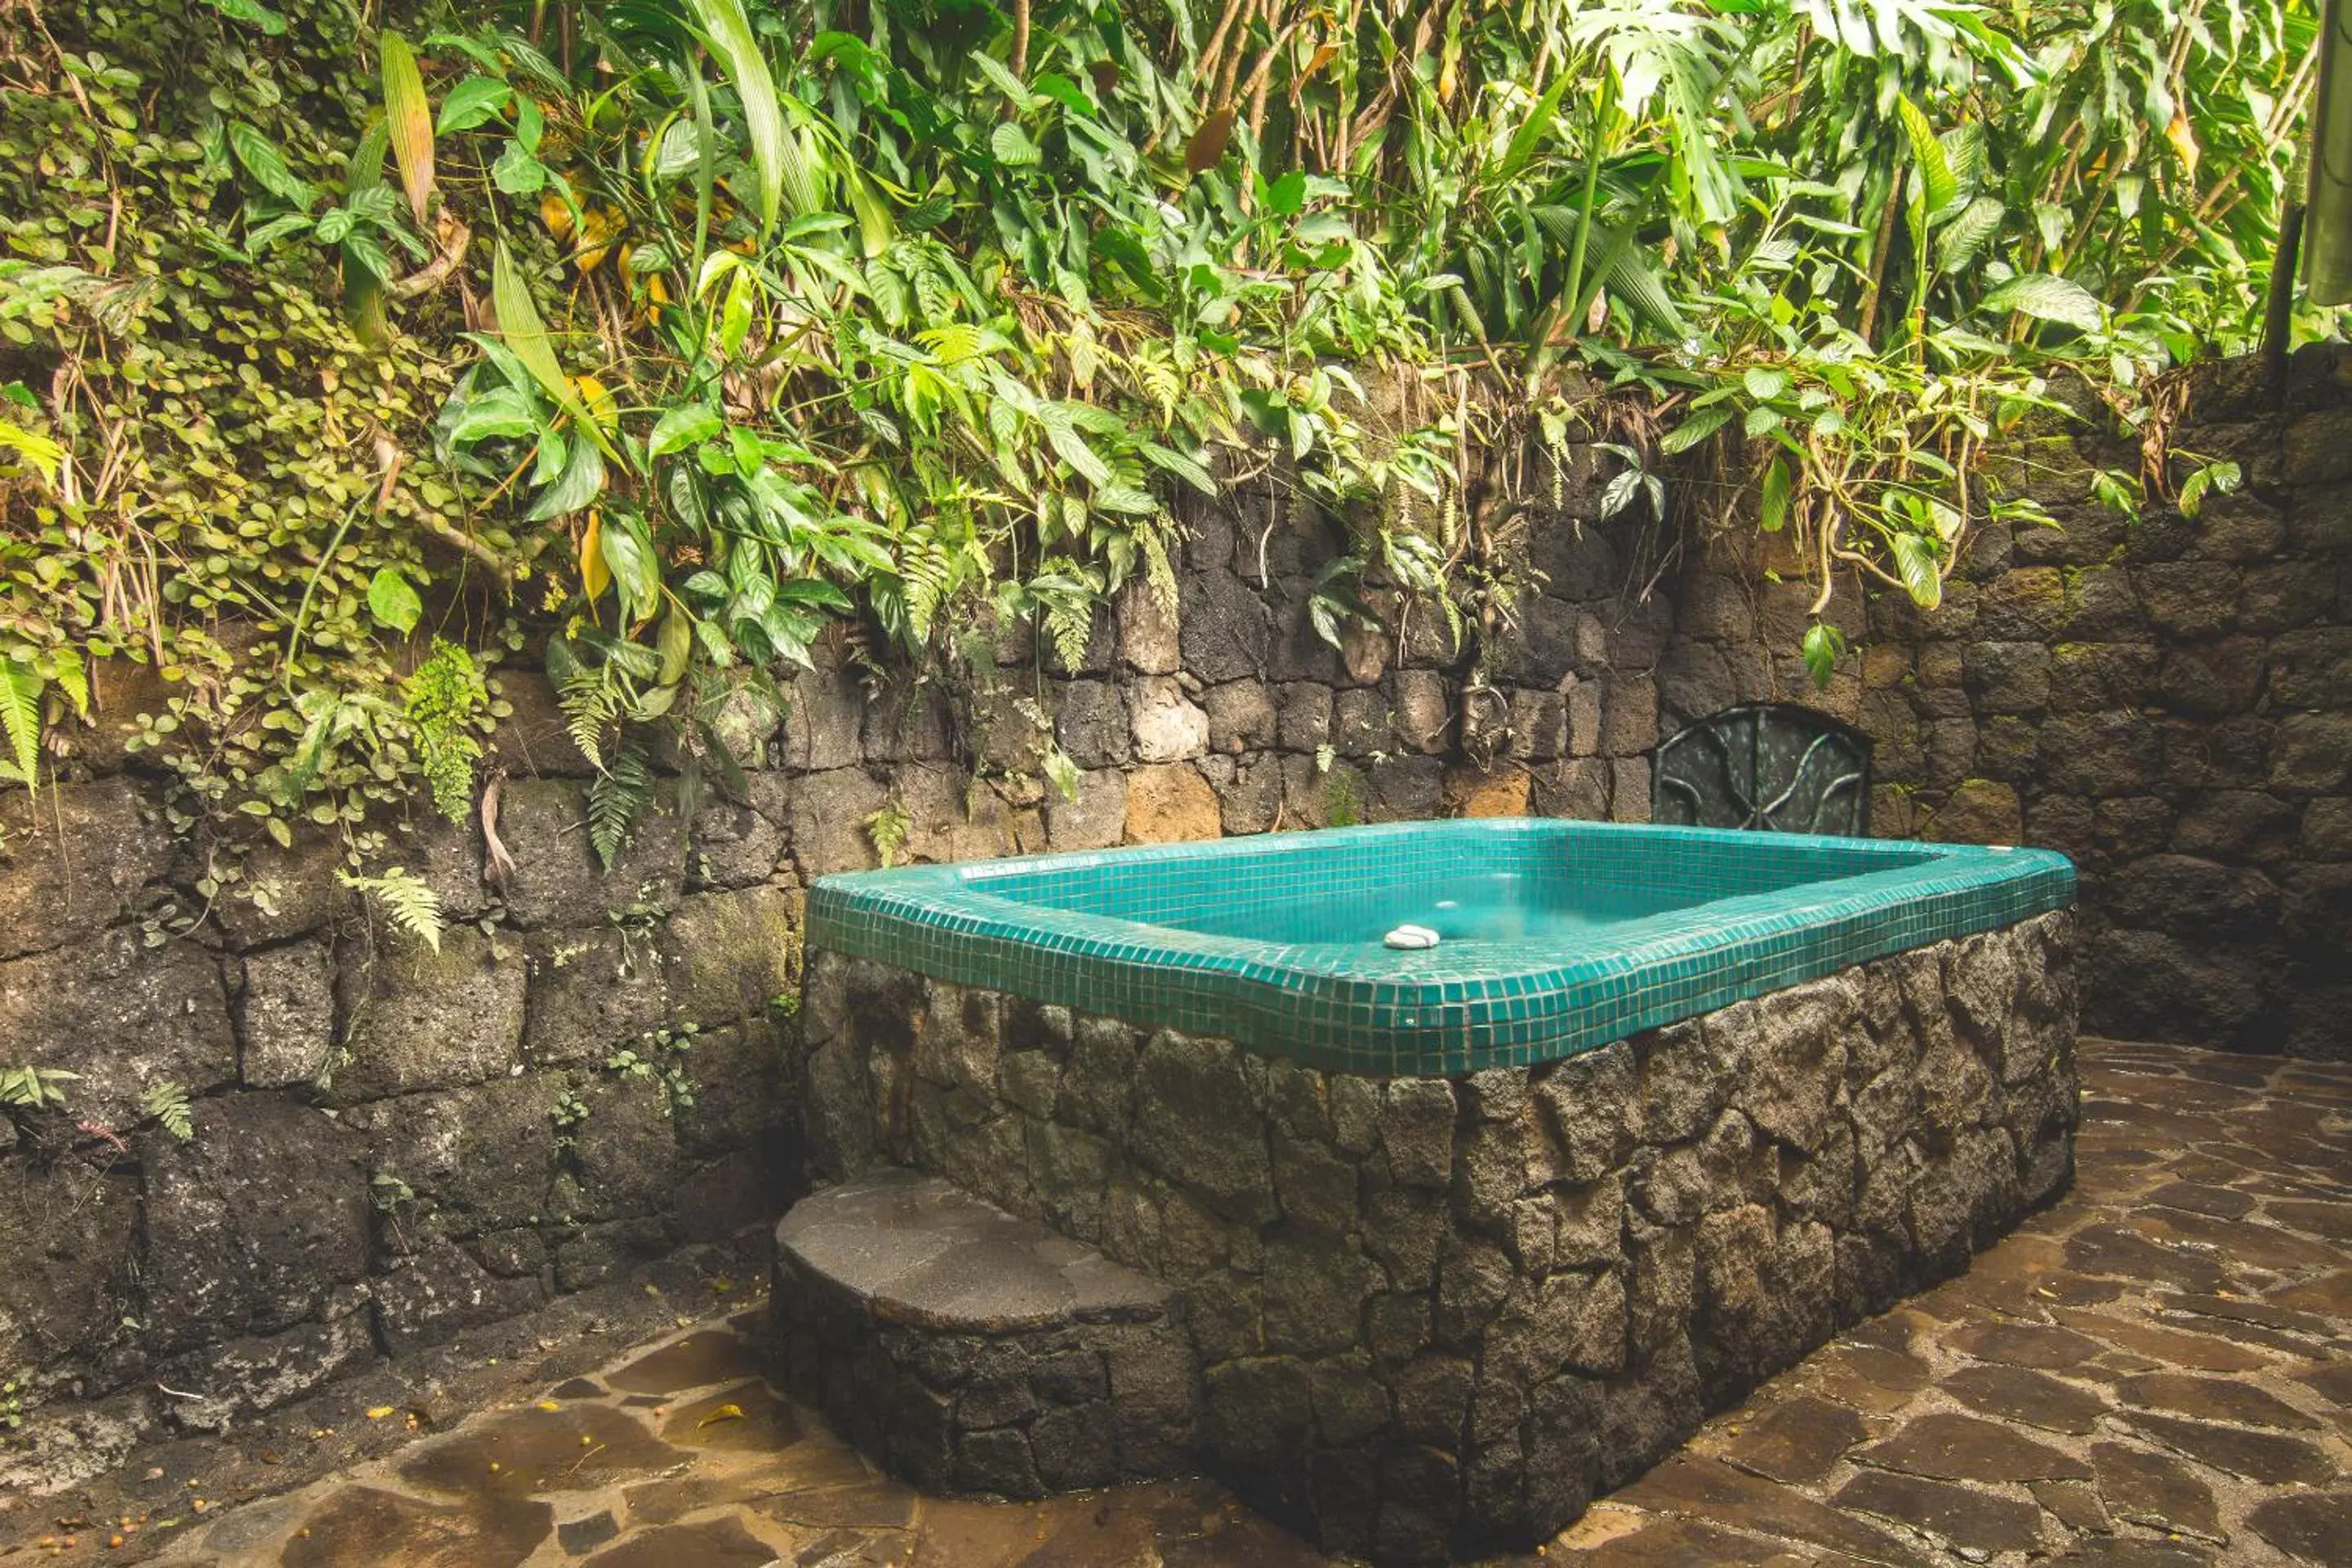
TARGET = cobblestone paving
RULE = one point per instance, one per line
(2156, 1372)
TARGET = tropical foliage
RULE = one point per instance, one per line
(678, 327)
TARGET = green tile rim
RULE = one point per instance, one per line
(1414, 1014)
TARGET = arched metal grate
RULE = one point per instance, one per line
(1768, 766)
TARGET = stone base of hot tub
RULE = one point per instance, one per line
(1433, 1316)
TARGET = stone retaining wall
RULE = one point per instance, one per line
(1435, 1315)
(390, 1144)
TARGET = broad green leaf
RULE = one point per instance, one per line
(687, 425)
(629, 556)
(1183, 468)
(1772, 507)
(1823, 646)
(1915, 563)
(36, 448)
(392, 602)
(474, 102)
(1964, 239)
(787, 185)
(1012, 146)
(516, 172)
(1937, 188)
(261, 16)
(408, 120)
(20, 721)
(526, 334)
(2048, 299)
(1002, 76)
(259, 157)
(579, 484)
(1764, 381)
(1695, 429)
(1525, 140)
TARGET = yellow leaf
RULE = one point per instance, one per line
(378, 1412)
(556, 214)
(598, 397)
(724, 1413)
(550, 1405)
(2184, 140)
(594, 575)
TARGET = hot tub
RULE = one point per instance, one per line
(1459, 1236)
(1555, 936)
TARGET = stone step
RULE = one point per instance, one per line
(973, 1353)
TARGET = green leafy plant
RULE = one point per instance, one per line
(407, 899)
(661, 1063)
(29, 1087)
(165, 1103)
(922, 323)
(887, 829)
(445, 703)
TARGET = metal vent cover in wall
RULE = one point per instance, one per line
(1768, 766)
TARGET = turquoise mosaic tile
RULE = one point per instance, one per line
(1559, 936)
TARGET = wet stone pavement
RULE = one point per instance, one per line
(2155, 1373)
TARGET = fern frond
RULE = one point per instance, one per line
(589, 703)
(166, 1103)
(888, 828)
(407, 903)
(20, 722)
(617, 797)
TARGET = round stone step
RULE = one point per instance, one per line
(971, 1352)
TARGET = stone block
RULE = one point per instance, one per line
(2312, 753)
(69, 1296)
(423, 1020)
(589, 991)
(471, 1161)
(1225, 627)
(1629, 726)
(286, 1015)
(73, 861)
(1302, 715)
(1252, 802)
(1538, 721)
(288, 893)
(533, 738)
(1094, 819)
(162, 1013)
(2008, 678)
(1090, 724)
(1147, 631)
(2188, 598)
(1170, 801)
(910, 723)
(725, 957)
(1168, 727)
(1978, 810)
(825, 722)
(422, 1300)
(739, 844)
(1240, 717)
(250, 1225)
(955, 816)
(829, 813)
(1195, 1125)
(557, 879)
(1424, 714)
